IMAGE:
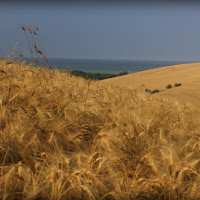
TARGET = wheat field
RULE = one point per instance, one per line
(158, 78)
(64, 138)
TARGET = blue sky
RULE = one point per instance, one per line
(106, 30)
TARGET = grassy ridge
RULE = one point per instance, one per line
(64, 137)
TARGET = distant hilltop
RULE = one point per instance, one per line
(158, 79)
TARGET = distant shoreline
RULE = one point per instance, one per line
(105, 65)
(117, 60)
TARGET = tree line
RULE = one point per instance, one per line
(96, 76)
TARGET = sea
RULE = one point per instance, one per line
(105, 66)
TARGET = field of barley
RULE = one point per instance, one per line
(65, 138)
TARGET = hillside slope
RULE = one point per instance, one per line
(186, 74)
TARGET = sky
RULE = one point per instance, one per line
(100, 30)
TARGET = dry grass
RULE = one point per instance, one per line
(186, 74)
(34, 41)
(63, 137)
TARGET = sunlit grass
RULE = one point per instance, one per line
(63, 137)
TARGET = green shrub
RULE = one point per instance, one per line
(169, 86)
(177, 84)
(155, 91)
(152, 92)
(147, 90)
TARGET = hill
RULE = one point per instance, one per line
(64, 138)
(186, 74)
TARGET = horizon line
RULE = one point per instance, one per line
(120, 59)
